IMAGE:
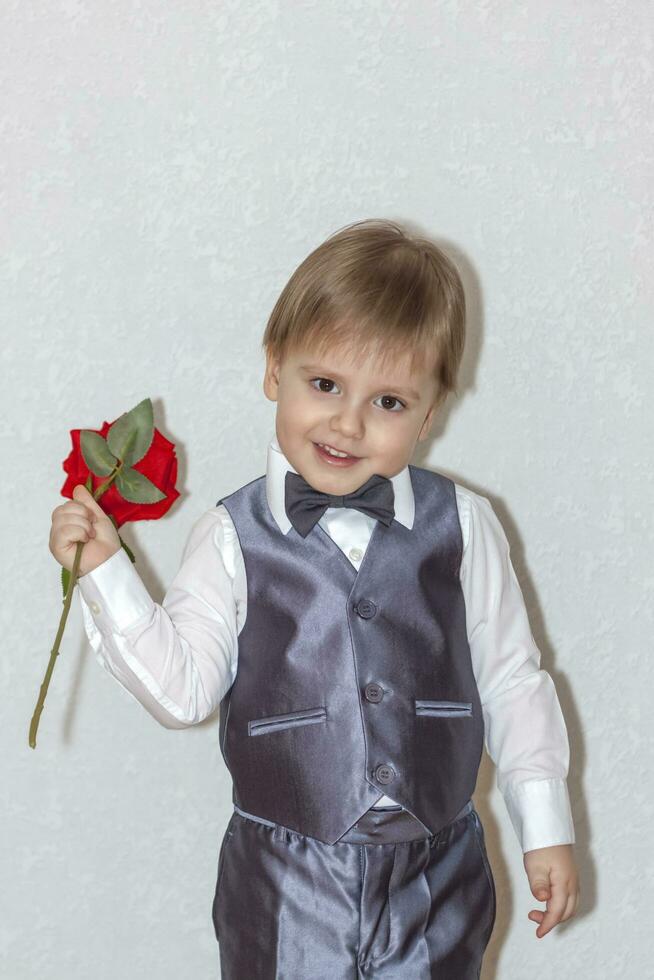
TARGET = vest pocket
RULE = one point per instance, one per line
(443, 709)
(310, 716)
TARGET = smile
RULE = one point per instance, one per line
(335, 452)
(334, 456)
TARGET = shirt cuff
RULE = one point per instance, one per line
(540, 813)
(115, 594)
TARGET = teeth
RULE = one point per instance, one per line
(333, 452)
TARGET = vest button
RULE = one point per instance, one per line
(355, 554)
(366, 608)
(384, 774)
(374, 693)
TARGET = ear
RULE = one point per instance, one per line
(427, 424)
(271, 376)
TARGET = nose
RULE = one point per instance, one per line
(347, 423)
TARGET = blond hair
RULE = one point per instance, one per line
(373, 287)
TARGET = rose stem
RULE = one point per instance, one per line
(54, 653)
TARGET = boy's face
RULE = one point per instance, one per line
(373, 413)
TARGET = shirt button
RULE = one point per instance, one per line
(355, 554)
(384, 774)
(374, 693)
(95, 608)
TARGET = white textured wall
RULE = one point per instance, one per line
(165, 166)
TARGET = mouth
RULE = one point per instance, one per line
(327, 457)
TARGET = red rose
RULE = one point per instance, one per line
(131, 468)
(159, 465)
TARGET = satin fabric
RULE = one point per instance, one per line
(290, 907)
(352, 683)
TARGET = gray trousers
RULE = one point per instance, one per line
(388, 900)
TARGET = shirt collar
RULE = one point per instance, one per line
(278, 464)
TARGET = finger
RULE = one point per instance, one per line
(569, 909)
(77, 520)
(74, 532)
(553, 912)
(65, 514)
(83, 496)
(540, 885)
(574, 901)
(72, 507)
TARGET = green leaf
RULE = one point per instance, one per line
(136, 488)
(131, 435)
(96, 453)
(129, 552)
(65, 579)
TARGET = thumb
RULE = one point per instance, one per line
(81, 494)
(540, 888)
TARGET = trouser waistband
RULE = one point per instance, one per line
(392, 825)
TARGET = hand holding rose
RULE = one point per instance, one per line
(133, 468)
(82, 519)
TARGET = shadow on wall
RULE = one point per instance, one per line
(507, 912)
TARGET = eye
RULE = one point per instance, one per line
(392, 398)
(387, 398)
(327, 380)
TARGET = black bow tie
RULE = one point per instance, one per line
(305, 505)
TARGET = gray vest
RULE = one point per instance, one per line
(352, 684)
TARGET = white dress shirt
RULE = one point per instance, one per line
(179, 659)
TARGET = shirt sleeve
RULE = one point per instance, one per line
(525, 733)
(179, 658)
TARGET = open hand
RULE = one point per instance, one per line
(554, 879)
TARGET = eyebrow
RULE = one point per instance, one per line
(326, 372)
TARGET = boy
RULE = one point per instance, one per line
(360, 624)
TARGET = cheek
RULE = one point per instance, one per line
(395, 438)
(395, 426)
(299, 412)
